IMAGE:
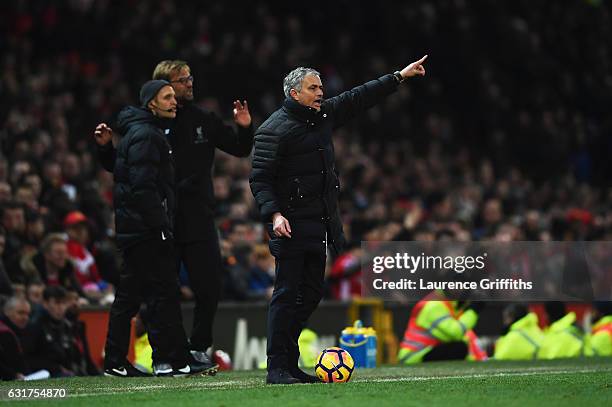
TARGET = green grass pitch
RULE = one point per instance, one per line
(569, 382)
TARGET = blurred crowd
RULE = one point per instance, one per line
(506, 138)
(41, 336)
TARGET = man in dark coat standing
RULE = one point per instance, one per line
(295, 183)
(144, 203)
(194, 136)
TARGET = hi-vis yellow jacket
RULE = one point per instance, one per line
(435, 320)
(564, 340)
(601, 337)
(522, 342)
(143, 353)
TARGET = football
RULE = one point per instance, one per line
(334, 365)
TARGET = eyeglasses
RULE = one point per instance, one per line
(183, 81)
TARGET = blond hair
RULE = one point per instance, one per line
(165, 68)
(50, 240)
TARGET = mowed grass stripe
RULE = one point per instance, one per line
(569, 382)
(205, 383)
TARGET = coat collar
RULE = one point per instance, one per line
(4, 319)
(303, 113)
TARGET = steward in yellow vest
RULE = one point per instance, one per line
(143, 353)
(524, 337)
(439, 330)
(601, 339)
(601, 334)
(563, 339)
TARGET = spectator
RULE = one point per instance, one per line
(84, 262)
(24, 194)
(344, 278)
(12, 325)
(5, 282)
(34, 292)
(261, 275)
(57, 201)
(34, 232)
(12, 217)
(235, 268)
(52, 344)
(84, 365)
(34, 295)
(491, 218)
(33, 181)
(6, 193)
(51, 265)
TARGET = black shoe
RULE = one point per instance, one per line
(167, 370)
(210, 368)
(304, 377)
(192, 368)
(125, 370)
(280, 376)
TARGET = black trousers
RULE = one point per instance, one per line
(202, 260)
(148, 275)
(298, 289)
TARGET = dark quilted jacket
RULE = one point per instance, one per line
(294, 169)
(143, 194)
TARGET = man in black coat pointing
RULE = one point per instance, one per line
(295, 183)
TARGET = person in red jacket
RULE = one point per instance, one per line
(86, 270)
(345, 275)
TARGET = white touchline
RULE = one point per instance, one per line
(256, 382)
(477, 376)
(198, 385)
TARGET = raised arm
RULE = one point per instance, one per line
(237, 143)
(106, 151)
(354, 102)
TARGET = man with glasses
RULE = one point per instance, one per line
(195, 135)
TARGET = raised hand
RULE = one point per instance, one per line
(103, 134)
(242, 117)
(415, 68)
